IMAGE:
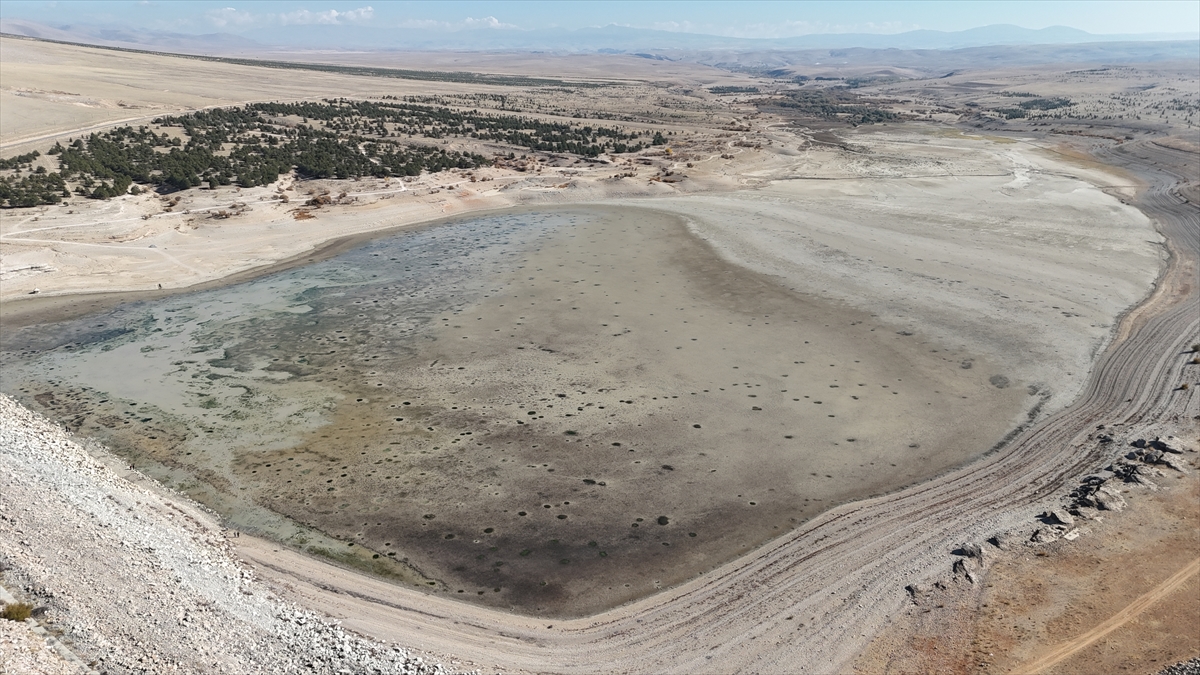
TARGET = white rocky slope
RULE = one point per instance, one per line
(134, 582)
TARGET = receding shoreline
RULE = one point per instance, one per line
(40, 308)
(716, 237)
(407, 614)
(666, 415)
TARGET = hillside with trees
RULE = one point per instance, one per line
(254, 144)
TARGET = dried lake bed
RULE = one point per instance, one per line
(557, 411)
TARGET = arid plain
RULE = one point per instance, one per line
(650, 386)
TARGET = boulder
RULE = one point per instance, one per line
(970, 551)
(1000, 541)
(960, 570)
(1109, 499)
(1058, 517)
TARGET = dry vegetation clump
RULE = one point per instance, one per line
(16, 611)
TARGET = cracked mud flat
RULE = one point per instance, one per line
(576, 406)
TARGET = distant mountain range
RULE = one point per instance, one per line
(213, 43)
(610, 39)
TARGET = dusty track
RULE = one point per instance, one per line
(1067, 649)
(809, 601)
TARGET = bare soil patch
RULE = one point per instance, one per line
(1035, 601)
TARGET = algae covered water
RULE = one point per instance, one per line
(186, 386)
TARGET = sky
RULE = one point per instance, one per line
(733, 19)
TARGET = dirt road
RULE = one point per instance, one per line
(1067, 649)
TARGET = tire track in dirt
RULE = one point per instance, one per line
(1135, 608)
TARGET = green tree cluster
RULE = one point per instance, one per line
(835, 103)
(254, 144)
(397, 119)
(19, 161)
(35, 189)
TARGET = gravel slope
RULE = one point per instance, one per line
(138, 582)
(23, 653)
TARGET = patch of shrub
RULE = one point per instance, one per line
(17, 611)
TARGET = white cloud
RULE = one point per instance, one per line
(487, 22)
(228, 16)
(330, 17)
